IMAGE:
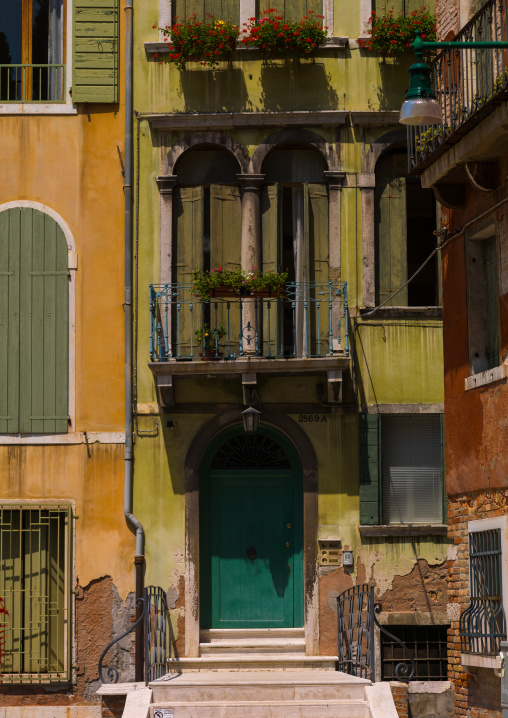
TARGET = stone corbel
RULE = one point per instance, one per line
(165, 183)
(334, 384)
(165, 389)
(249, 386)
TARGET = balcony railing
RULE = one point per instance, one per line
(32, 83)
(469, 83)
(309, 320)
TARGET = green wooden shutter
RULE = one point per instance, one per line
(188, 207)
(369, 427)
(44, 326)
(225, 251)
(491, 303)
(295, 9)
(391, 225)
(443, 470)
(34, 290)
(95, 51)
(10, 228)
(316, 266)
(271, 252)
(228, 10)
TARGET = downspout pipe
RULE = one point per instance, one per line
(132, 521)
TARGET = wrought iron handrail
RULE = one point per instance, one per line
(356, 617)
(467, 81)
(308, 320)
(402, 672)
(113, 673)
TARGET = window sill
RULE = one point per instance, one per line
(484, 378)
(37, 108)
(333, 43)
(478, 660)
(403, 312)
(404, 530)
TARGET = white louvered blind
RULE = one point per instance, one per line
(411, 455)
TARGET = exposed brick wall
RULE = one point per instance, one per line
(475, 696)
(447, 16)
(400, 698)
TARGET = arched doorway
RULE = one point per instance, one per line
(251, 531)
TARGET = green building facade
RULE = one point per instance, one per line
(285, 165)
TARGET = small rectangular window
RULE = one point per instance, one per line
(482, 625)
(35, 588)
(411, 461)
(426, 643)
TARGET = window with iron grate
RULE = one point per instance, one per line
(426, 643)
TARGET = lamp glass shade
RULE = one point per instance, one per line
(250, 418)
(420, 111)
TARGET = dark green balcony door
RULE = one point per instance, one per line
(251, 533)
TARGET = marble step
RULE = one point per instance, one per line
(252, 661)
(275, 686)
(208, 635)
(251, 641)
(262, 709)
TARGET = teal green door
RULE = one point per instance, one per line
(251, 535)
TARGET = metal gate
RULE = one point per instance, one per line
(355, 613)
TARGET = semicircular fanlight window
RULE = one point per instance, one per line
(250, 452)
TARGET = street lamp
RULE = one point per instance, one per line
(420, 106)
(250, 418)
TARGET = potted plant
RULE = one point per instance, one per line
(209, 339)
(275, 35)
(219, 282)
(206, 43)
(392, 35)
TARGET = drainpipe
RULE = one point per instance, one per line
(131, 519)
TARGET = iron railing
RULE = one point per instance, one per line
(309, 320)
(32, 83)
(482, 626)
(356, 617)
(159, 640)
(469, 83)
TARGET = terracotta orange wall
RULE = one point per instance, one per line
(476, 433)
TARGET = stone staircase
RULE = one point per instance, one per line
(255, 674)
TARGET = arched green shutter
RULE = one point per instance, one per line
(34, 382)
(95, 51)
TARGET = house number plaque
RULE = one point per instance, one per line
(315, 418)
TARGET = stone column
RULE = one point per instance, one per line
(166, 184)
(251, 255)
(366, 185)
(336, 181)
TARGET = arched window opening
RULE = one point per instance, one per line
(405, 220)
(294, 231)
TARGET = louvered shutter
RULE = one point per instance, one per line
(295, 9)
(188, 207)
(369, 468)
(95, 51)
(411, 458)
(391, 225)
(34, 287)
(317, 272)
(10, 227)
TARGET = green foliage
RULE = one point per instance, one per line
(205, 43)
(393, 34)
(274, 34)
(209, 337)
(204, 282)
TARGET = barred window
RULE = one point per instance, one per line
(483, 624)
(426, 643)
(34, 586)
